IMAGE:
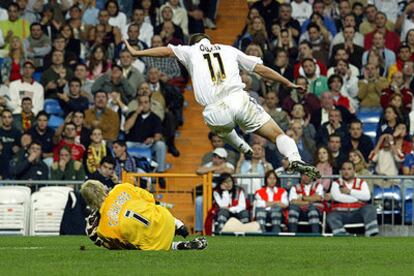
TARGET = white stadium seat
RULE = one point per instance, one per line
(47, 210)
(14, 210)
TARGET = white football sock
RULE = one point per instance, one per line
(178, 223)
(236, 141)
(287, 147)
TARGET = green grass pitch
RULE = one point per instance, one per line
(224, 256)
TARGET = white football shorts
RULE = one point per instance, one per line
(237, 109)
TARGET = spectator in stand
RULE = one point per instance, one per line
(117, 18)
(408, 75)
(335, 84)
(65, 168)
(351, 196)
(230, 200)
(123, 160)
(319, 7)
(168, 34)
(344, 9)
(167, 16)
(397, 88)
(320, 116)
(9, 136)
(132, 36)
(349, 84)
(106, 172)
(409, 40)
(13, 26)
(285, 21)
(358, 140)
(389, 122)
(284, 42)
(74, 101)
(95, 152)
(115, 81)
(25, 119)
(81, 72)
(386, 156)
(271, 106)
(319, 37)
(26, 12)
(335, 147)
(369, 24)
(68, 140)
(305, 202)
(60, 44)
(26, 87)
(103, 117)
(408, 163)
(28, 165)
(361, 166)
(334, 125)
(353, 59)
(218, 164)
(112, 34)
(116, 104)
(256, 164)
(51, 18)
(269, 10)
(305, 52)
(305, 145)
(370, 87)
(37, 45)
(168, 66)
(56, 76)
(303, 97)
(270, 201)
(378, 47)
(98, 63)
(13, 61)
(145, 29)
(43, 134)
(404, 54)
(391, 39)
(150, 10)
(401, 142)
(73, 44)
(317, 84)
(180, 16)
(298, 114)
(217, 142)
(144, 129)
(301, 10)
(129, 72)
(324, 163)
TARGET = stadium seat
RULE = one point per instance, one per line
(55, 122)
(408, 206)
(387, 200)
(140, 152)
(370, 129)
(369, 116)
(46, 213)
(61, 189)
(14, 210)
(52, 107)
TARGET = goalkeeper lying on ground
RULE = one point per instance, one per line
(127, 217)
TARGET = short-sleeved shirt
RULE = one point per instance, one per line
(214, 69)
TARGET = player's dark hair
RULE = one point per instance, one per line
(198, 37)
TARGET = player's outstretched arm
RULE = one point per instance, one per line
(271, 74)
(153, 52)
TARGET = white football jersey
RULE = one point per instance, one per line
(214, 69)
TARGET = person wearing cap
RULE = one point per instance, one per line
(26, 87)
(115, 81)
(218, 164)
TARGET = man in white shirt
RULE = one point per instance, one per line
(305, 203)
(26, 87)
(146, 30)
(215, 72)
(351, 196)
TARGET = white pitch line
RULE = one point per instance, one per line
(21, 248)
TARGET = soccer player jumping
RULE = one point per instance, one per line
(215, 75)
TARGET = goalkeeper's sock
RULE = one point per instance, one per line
(288, 147)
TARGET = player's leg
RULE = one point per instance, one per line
(286, 146)
(196, 244)
(234, 140)
(180, 228)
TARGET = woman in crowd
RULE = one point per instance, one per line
(324, 164)
(256, 32)
(116, 17)
(389, 122)
(72, 44)
(98, 63)
(270, 201)
(361, 167)
(96, 151)
(13, 63)
(230, 201)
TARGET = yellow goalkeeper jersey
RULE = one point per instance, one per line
(131, 219)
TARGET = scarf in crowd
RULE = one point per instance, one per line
(94, 157)
(26, 121)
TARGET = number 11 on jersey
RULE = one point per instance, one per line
(211, 69)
